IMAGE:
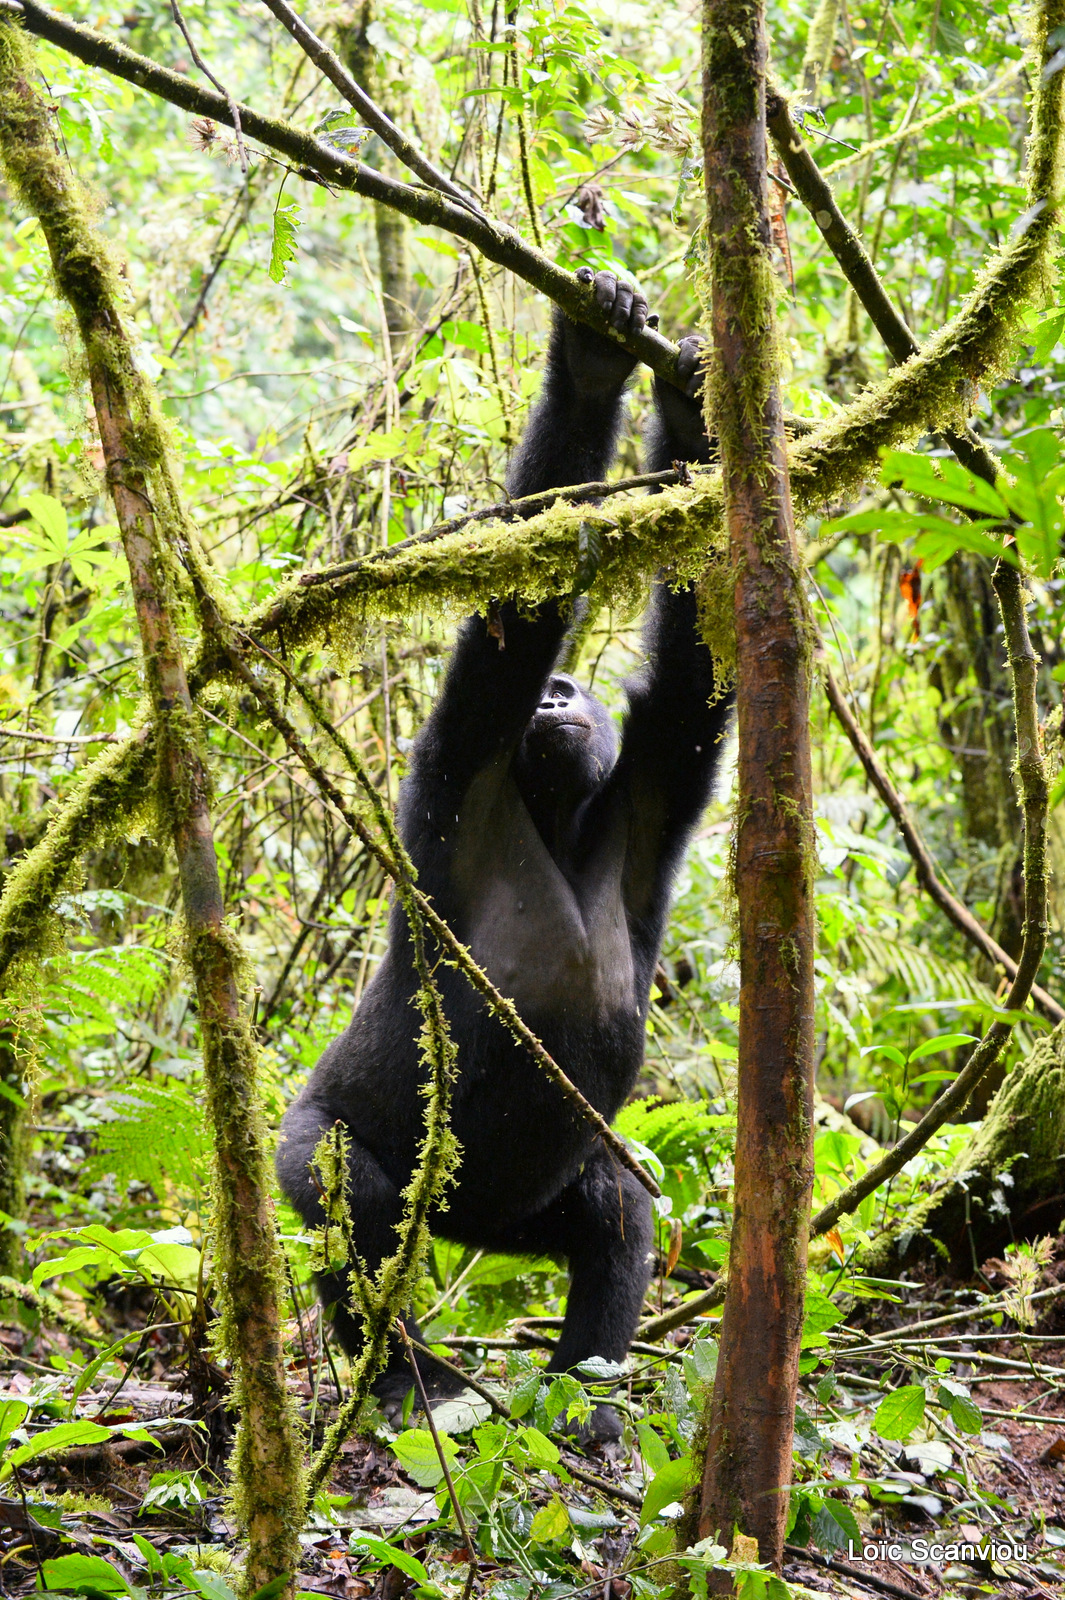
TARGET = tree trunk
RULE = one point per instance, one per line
(748, 1451)
(13, 1142)
(392, 230)
(268, 1484)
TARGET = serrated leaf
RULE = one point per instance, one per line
(534, 1448)
(900, 1412)
(283, 245)
(523, 1396)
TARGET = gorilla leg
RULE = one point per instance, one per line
(602, 1224)
(376, 1210)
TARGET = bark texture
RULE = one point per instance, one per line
(748, 1451)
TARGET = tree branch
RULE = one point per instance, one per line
(324, 163)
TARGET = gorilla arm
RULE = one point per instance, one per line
(500, 664)
(677, 714)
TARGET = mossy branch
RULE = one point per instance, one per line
(49, 1308)
(104, 800)
(154, 533)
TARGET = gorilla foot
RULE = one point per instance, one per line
(603, 1428)
(395, 1384)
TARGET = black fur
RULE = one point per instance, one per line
(551, 853)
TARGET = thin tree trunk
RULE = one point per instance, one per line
(392, 230)
(267, 1463)
(748, 1449)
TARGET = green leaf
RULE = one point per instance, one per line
(66, 1434)
(900, 1412)
(666, 1486)
(523, 1397)
(12, 1415)
(1046, 334)
(417, 1455)
(283, 244)
(48, 512)
(941, 479)
(551, 1523)
(652, 1448)
(212, 1586)
(534, 1448)
(945, 1041)
(267, 1591)
(381, 1550)
(965, 1414)
(83, 1575)
(821, 1313)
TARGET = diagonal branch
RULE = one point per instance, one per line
(392, 860)
(927, 876)
(319, 162)
(1033, 784)
(266, 1463)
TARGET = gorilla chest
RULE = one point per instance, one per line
(555, 942)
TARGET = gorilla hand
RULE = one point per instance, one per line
(597, 366)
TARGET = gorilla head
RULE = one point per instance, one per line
(568, 748)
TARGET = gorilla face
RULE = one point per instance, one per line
(569, 746)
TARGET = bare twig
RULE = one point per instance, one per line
(1033, 785)
(923, 861)
(234, 109)
(471, 1548)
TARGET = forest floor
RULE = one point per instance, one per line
(971, 1502)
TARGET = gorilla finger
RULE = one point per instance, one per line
(622, 306)
(652, 321)
(690, 368)
(606, 288)
(638, 314)
(584, 274)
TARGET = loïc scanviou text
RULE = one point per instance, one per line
(918, 1551)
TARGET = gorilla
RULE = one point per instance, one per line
(550, 846)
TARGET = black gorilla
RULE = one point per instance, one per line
(551, 852)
